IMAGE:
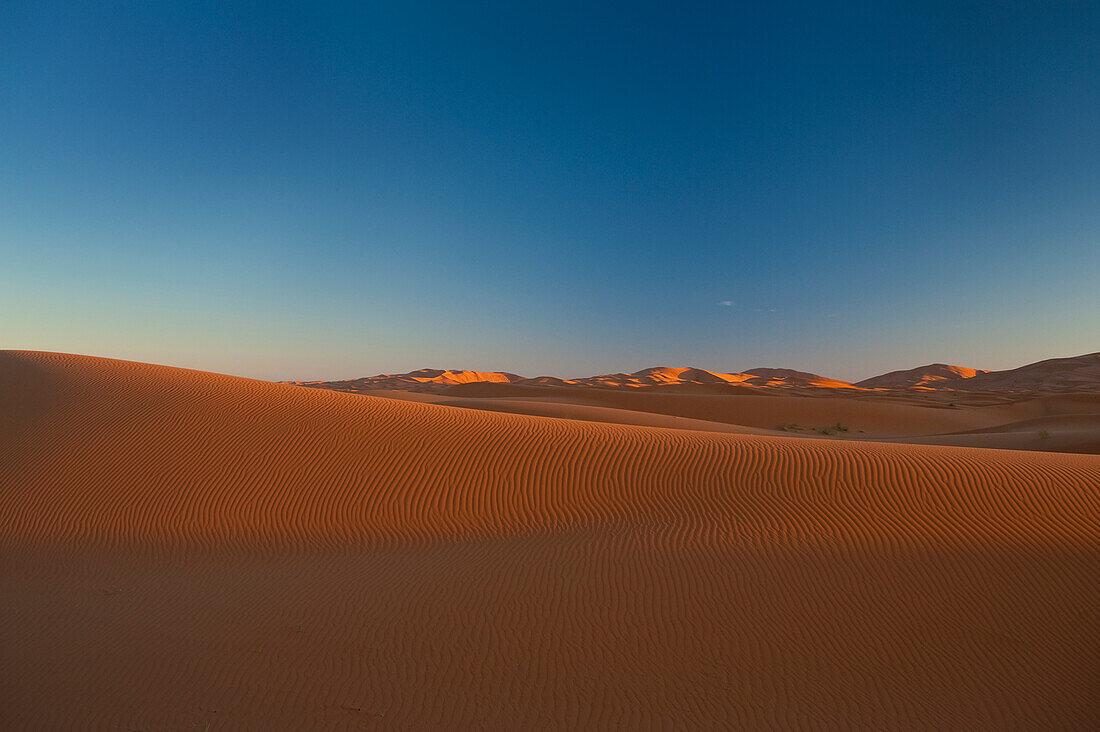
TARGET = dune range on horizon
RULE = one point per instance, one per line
(187, 549)
(1049, 406)
(1076, 374)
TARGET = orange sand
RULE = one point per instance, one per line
(184, 550)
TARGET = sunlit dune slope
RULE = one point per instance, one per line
(185, 549)
(112, 450)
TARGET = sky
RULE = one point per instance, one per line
(330, 190)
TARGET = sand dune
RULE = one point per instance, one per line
(733, 405)
(1054, 433)
(589, 413)
(902, 406)
(433, 380)
(1071, 422)
(771, 377)
(763, 378)
(416, 380)
(669, 375)
(1080, 374)
(937, 404)
(922, 376)
(186, 550)
(1076, 374)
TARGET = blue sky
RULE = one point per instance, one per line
(323, 190)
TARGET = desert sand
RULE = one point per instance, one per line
(184, 550)
(1049, 406)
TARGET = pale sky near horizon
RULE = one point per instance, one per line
(331, 190)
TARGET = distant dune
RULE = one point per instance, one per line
(412, 380)
(926, 376)
(433, 379)
(1049, 406)
(1077, 374)
(1080, 374)
(769, 377)
(667, 375)
(185, 550)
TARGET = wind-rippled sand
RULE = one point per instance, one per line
(184, 550)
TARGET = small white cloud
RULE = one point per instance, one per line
(726, 303)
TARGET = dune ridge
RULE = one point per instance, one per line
(187, 548)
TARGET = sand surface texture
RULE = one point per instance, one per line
(183, 550)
